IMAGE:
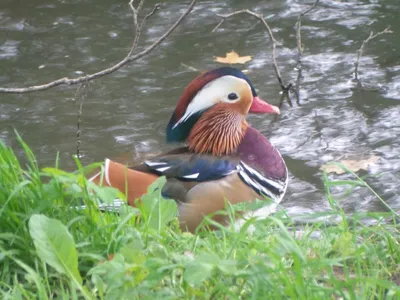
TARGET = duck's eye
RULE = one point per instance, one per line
(232, 96)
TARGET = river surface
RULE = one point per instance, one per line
(125, 113)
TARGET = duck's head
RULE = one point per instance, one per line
(224, 89)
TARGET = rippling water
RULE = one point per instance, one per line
(125, 114)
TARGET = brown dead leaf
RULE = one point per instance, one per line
(232, 58)
(352, 165)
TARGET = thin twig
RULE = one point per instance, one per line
(300, 51)
(135, 12)
(137, 28)
(80, 95)
(153, 11)
(260, 17)
(282, 100)
(309, 9)
(126, 60)
(361, 50)
(191, 68)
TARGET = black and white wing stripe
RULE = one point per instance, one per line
(200, 169)
(193, 168)
(274, 189)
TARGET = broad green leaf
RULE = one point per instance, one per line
(227, 266)
(157, 185)
(118, 276)
(111, 273)
(201, 267)
(55, 245)
(57, 172)
(73, 189)
(59, 175)
(99, 284)
(104, 193)
(196, 272)
(158, 250)
(132, 254)
(208, 258)
(127, 210)
(156, 210)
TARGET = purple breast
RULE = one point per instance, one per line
(256, 151)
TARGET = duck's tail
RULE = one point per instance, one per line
(130, 182)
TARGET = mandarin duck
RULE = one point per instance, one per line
(225, 158)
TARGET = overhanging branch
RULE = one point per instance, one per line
(129, 58)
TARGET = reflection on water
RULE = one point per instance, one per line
(125, 114)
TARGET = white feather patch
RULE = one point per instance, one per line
(191, 176)
(155, 163)
(106, 170)
(162, 169)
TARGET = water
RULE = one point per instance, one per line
(125, 114)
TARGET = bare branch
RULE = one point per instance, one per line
(190, 68)
(138, 27)
(80, 95)
(309, 9)
(300, 50)
(135, 12)
(126, 60)
(361, 50)
(135, 28)
(260, 17)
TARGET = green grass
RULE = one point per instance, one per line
(49, 250)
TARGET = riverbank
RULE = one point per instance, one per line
(50, 248)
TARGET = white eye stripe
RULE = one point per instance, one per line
(212, 93)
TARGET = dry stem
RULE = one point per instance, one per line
(361, 50)
(138, 27)
(80, 95)
(129, 58)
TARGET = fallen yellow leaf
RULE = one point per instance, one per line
(352, 165)
(232, 58)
